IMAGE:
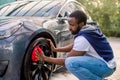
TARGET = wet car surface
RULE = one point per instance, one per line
(27, 24)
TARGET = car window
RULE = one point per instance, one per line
(70, 7)
(26, 8)
(67, 9)
(8, 8)
(47, 9)
(15, 12)
(53, 11)
(3, 10)
(37, 8)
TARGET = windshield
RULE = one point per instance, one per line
(43, 8)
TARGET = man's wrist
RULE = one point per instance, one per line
(54, 50)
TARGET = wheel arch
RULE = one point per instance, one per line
(43, 33)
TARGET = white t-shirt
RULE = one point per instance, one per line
(82, 44)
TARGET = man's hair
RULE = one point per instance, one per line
(79, 15)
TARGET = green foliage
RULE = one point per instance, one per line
(106, 13)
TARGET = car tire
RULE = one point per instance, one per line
(36, 70)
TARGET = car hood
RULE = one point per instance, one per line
(9, 25)
(36, 20)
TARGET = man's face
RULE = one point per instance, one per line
(73, 26)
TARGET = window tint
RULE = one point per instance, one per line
(38, 8)
(70, 7)
(26, 8)
(3, 10)
(53, 11)
(15, 12)
(47, 9)
(67, 9)
(9, 8)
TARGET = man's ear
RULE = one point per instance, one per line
(81, 24)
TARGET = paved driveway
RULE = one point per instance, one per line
(63, 74)
(115, 43)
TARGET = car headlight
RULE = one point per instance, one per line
(7, 29)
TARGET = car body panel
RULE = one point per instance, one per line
(12, 49)
(23, 22)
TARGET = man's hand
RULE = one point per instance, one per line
(40, 56)
(51, 45)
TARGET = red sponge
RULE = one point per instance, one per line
(34, 52)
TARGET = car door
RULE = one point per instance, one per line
(65, 37)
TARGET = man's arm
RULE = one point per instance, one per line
(58, 61)
(75, 53)
(64, 49)
(61, 61)
(60, 49)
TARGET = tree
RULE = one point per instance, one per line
(107, 13)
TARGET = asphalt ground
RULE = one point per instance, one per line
(63, 74)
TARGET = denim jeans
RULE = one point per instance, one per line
(88, 68)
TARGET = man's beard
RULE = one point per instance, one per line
(77, 30)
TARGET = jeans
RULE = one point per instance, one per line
(88, 68)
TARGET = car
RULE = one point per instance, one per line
(25, 25)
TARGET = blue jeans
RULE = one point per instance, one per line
(88, 68)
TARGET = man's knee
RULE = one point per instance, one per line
(69, 63)
(75, 62)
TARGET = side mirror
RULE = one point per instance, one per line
(61, 20)
(66, 14)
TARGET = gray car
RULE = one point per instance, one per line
(27, 24)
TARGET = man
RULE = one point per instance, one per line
(90, 56)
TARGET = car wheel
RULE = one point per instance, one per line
(34, 69)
